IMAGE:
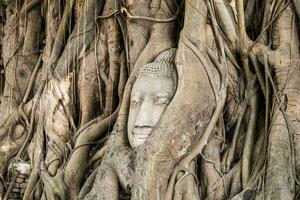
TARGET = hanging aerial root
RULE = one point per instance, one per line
(61, 34)
(230, 156)
(132, 17)
(31, 125)
(28, 6)
(252, 99)
(33, 181)
(28, 90)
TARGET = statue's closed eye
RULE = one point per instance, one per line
(162, 101)
(135, 102)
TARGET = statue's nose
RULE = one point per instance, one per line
(144, 117)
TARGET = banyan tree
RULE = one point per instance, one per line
(150, 99)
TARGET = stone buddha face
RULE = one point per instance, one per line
(151, 94)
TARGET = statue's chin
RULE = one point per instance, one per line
(137, 141)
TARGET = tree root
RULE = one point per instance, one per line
(27, 7)
(232, 148)
(88, 185)
(54, 186)
(252, 99)
(220, 97)
(61, 34)
(297, 7)
(76, 165)
(38, 159)
(131, 17)
(31, 125)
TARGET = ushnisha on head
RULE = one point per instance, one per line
(152, 92)
(163, 65)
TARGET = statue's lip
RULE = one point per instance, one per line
(141, 134)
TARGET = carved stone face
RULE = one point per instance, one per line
(149, 98)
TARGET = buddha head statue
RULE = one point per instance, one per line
(152, 92)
